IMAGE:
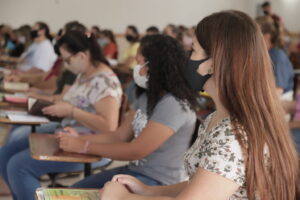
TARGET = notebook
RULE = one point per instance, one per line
(67, 194)
(27, 118)
(35, 107)
(15, 99)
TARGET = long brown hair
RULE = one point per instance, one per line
(244, 76)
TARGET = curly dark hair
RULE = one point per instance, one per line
(167, 63)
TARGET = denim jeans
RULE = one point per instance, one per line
(98, 180)
(20, 171)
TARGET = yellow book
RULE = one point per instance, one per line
(67, 194)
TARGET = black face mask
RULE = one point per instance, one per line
(266, 12)
(195, 80)
(34, 34)
(130, 38)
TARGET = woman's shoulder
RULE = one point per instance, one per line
(225, 133)
(173, 105)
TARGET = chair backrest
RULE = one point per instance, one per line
(55, 70)
(123, 108)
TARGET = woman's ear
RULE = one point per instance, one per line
(81, 55)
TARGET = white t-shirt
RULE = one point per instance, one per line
(40, 55)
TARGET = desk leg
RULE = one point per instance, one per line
(87, 169)
(33, 129)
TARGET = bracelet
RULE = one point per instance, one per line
(85, 148)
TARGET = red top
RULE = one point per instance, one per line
(55, 70)
(111, 50)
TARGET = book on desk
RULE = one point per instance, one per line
(16, 86)
(67, 194)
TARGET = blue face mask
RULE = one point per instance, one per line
(195, 80)
(102, 42)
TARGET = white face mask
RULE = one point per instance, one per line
(141, 81)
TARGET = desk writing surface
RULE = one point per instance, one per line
(4, 104)
(8, 121)
(46, 147)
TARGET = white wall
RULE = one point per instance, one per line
(115, 14)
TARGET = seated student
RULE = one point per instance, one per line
(128, 57)
(162, 118)
(64, 81)
(95, 30)
(171, 30)
(243, 150)
(8, 35)
(58, 74)
(40, 55)
(90, 105)
(283, 69)
(109, 45)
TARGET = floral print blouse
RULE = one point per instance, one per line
(86, 92)
(218, 151)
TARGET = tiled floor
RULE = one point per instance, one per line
(69, 181)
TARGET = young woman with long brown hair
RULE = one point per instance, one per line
(244, 149)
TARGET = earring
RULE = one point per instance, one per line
(210, 71)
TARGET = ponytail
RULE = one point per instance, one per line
(95, 50)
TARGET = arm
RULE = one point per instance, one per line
(122, 134)
(52, 98)
(12, 59)
(28, 77)
(152, 136)
(199, 188)
(137, 187)
(105, 119)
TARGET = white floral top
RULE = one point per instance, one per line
(218, 151)
(86, 92)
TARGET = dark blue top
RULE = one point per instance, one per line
(283, 69)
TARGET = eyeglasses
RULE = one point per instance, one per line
(68, 59)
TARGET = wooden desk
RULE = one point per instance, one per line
(46, 147)
(4, 104)
(32, 124)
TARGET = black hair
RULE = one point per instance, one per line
(96, 28)
(153, 29)
(44, 26)
(265, 4)
(135, 31)
(76, 41)
(110, 35)
(167, 63)
(75, 26)
(174, 28)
